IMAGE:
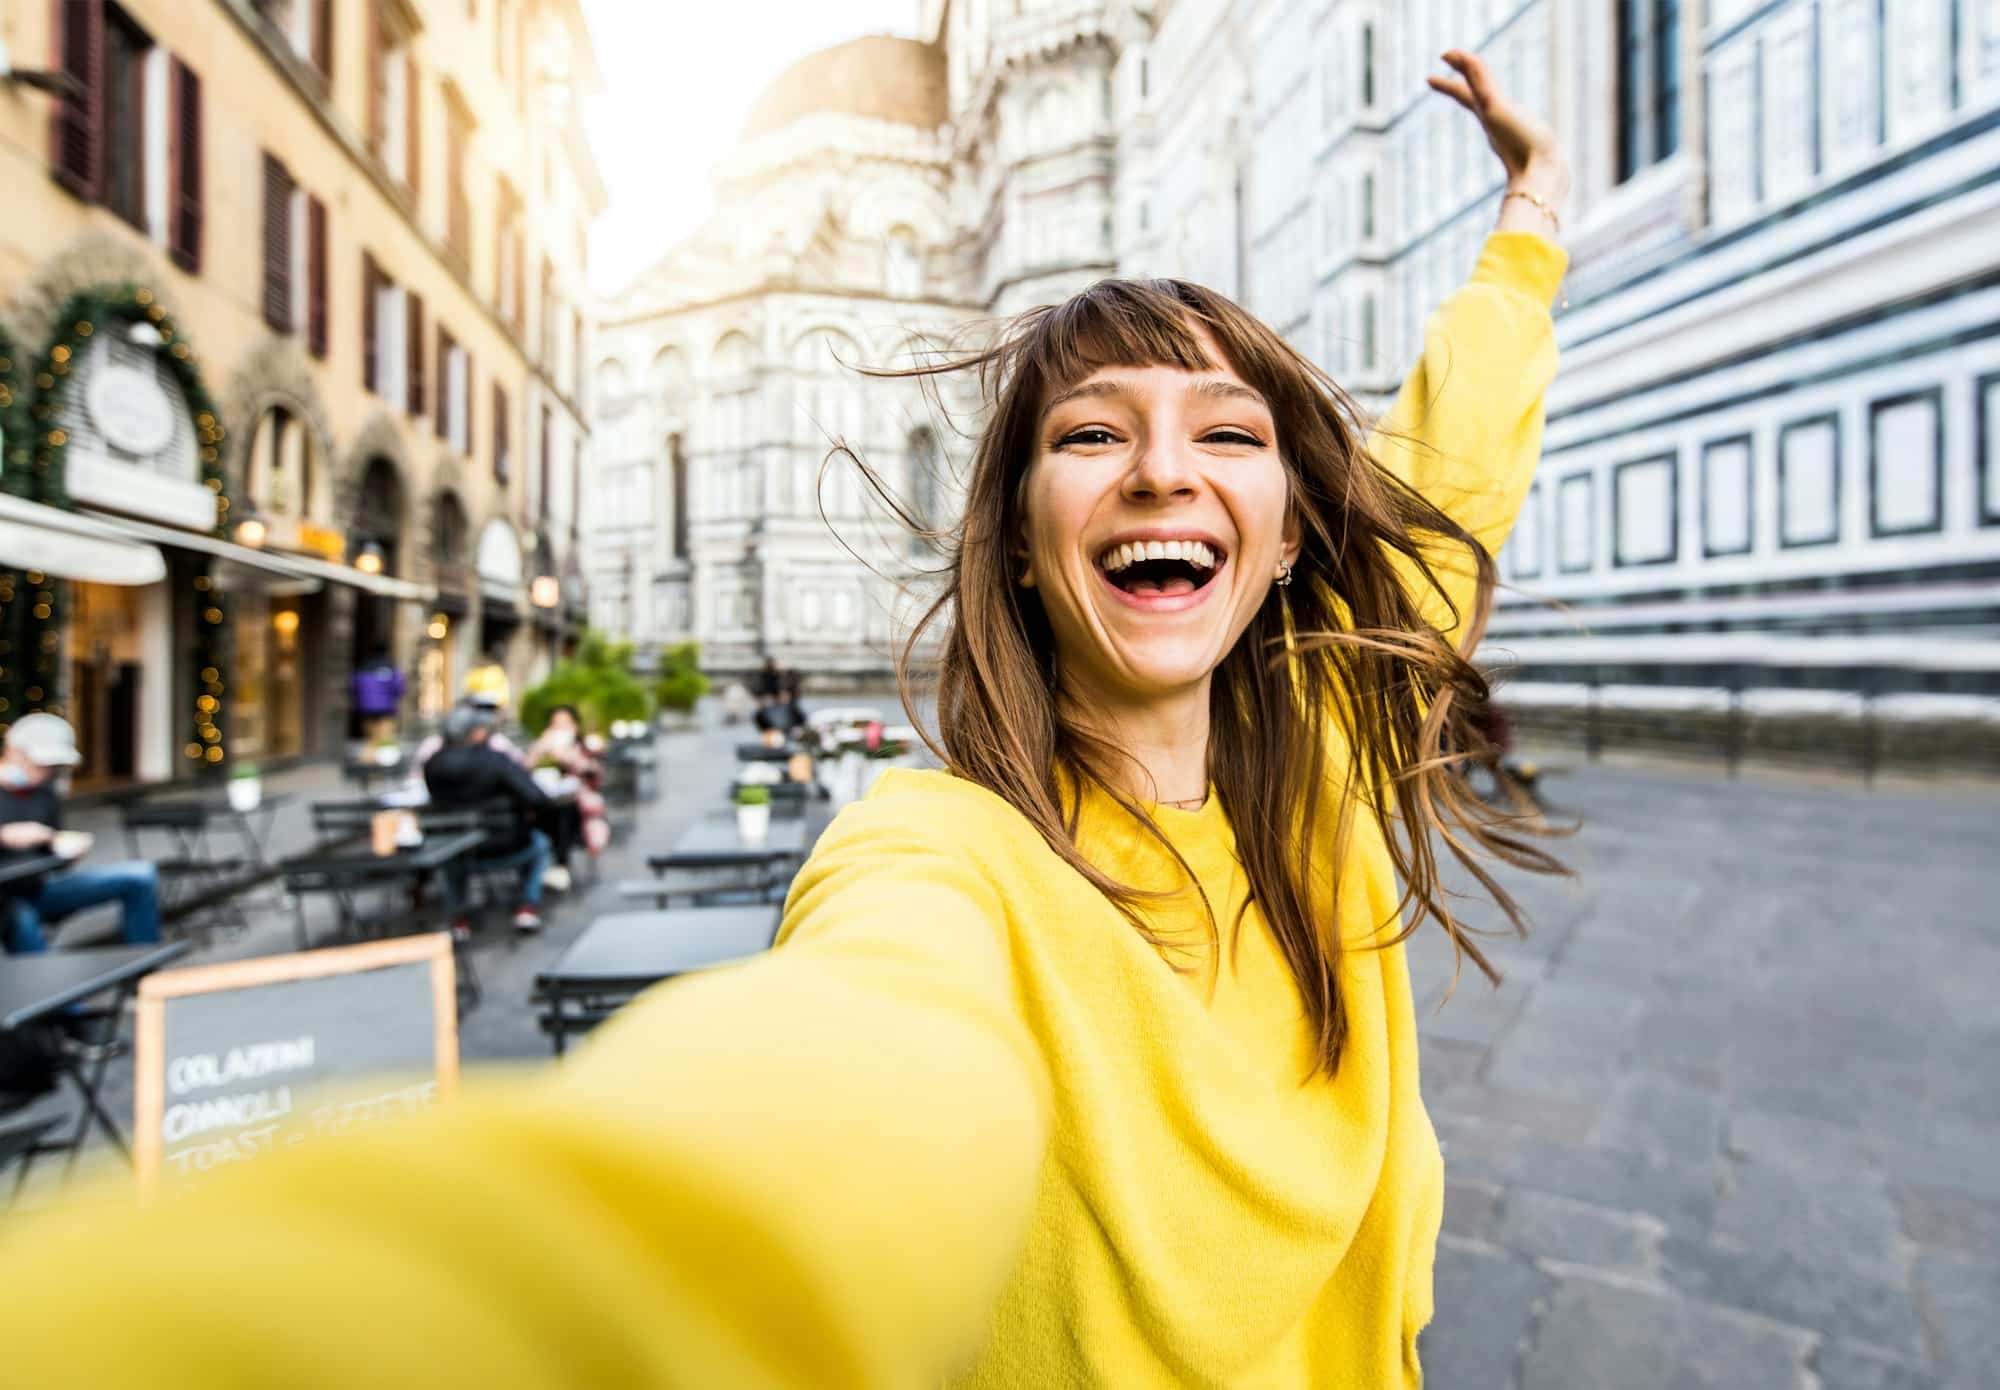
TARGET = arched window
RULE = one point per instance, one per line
(284, 478)
(450, 532)
(904, 271)
(613, 382)
(668, 376)
(378, 513)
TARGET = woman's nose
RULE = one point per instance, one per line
(1161, 471)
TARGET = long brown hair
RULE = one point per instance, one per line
(1340, 695)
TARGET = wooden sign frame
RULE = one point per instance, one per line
(149, 1061)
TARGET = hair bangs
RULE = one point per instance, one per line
(1114, 323)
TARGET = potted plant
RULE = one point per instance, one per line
(387, 752)
(246, 788)
(753, 813)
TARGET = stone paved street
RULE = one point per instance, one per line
(1730, 1122)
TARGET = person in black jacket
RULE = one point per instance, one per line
(465, 774)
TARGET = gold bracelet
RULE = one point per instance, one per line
(1550, 212)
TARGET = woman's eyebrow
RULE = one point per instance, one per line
(1227, 390)
(1096, 387)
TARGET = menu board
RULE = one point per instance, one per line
(247, 1058)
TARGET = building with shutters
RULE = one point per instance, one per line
(291, 294)
(1773, 454)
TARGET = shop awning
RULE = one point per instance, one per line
(276, 562)
(71, 545)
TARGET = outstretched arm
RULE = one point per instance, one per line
(814, 1170)
(1466, 428)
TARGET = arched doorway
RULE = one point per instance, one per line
(374, 541)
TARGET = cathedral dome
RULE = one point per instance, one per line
(886, 78)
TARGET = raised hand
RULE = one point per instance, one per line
(1523, 141)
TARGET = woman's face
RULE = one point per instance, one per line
(562, 722)
(1157, 516)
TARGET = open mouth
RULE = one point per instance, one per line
(1160, 569)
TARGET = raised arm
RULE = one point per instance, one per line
(1466, 428)
(814, 1170)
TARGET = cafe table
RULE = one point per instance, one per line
(621, 954)
(19, 869)
(343, 873)
(712, 857)
(201, 869)
(36, 987)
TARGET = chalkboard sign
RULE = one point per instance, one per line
(252, 1056)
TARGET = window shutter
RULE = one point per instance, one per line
(277, 245)
(471, 449)
(184, 206)
(315, 277)
(444, 383)
(413, 352)
(502, 466)
(369, 276)
(414, 103)
(76, 128)
(376, 135)
(322, 37)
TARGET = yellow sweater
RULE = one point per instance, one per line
(964, 1125)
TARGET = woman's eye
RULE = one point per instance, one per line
(1232, 437)
(1090, 434)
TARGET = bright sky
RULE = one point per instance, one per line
(680, 77)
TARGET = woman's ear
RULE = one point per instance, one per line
(1294, 538)
(1023, 563)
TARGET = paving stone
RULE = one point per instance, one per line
(1445, 1063)
(1471, 1208)
(1568, 1120)
(1543, 1227)
(1476, 1012)
(1681, 1196)
(1569, 1041)
(1844, 1365)
(1604, 1335)
(1486, 1302)
(1826, 1298)
(1820, 1221)
(1961, 1303)
(1662, 1115)
(1949, 1220)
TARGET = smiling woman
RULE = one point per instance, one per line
(1087, 1060)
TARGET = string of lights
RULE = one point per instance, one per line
(29, 604)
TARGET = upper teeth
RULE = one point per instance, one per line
(1130, 553)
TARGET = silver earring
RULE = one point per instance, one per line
(1284, 575)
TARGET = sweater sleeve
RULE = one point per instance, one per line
(812, 1170)
(1466, 428)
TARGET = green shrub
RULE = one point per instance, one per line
(598, 680)
(680, 690)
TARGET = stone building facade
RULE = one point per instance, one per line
(362, 221)
(1773, 456)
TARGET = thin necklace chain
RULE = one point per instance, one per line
(1192, 804)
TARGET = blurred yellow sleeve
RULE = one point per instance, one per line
(812, 1170)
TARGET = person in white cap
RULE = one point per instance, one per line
(40, 746)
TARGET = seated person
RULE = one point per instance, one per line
(495, 740)
(39, 747)
(583, 820)
(466, 773)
